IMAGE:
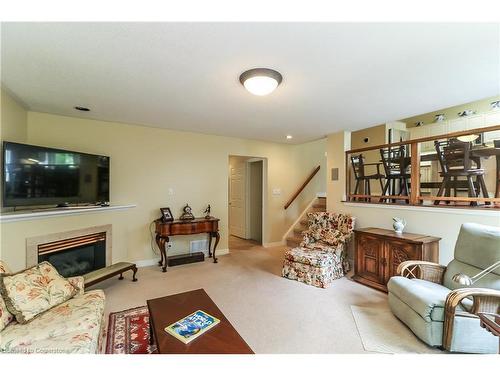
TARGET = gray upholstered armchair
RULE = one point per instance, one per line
(437, 309)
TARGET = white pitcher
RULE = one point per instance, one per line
(398, 224)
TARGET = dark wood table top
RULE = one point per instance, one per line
(194, 221)
(221, 339)
(390, 234)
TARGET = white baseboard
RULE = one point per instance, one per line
(147, 262)
(154, 261)
(222, 252)
(274, 244)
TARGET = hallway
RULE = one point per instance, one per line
(236, 243)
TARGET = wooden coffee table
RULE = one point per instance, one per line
(222, 339)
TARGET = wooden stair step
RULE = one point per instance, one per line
(293, 241)
(298, 231)
(319, 205)
(318, 209)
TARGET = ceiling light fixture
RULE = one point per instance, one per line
(261, 81)
(289, 137)
(468, 138)
(83, 109)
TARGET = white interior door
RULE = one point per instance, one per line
(237, 200)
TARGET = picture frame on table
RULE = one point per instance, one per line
(166, 214)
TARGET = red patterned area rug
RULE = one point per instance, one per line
(128, 332)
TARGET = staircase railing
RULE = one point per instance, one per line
(302, 187)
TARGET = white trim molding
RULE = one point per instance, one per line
(274, 244)
(45, 214)
(447, 210)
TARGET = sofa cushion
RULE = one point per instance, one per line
(424, 297)
(32, 291)
(328, 227)
(72, 327)
(5, 316)
(316, 258)
(320, 277)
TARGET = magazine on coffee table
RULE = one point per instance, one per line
(192, 326)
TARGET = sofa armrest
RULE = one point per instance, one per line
(484, 300)
(78, 282)
(420, 269)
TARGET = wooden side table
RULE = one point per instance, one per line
(165, 229)
(378, 253)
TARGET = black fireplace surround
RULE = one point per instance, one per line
(78, 260)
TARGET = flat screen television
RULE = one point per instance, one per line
(35, 175)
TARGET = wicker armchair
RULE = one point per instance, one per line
(441, 312)
(484, 300)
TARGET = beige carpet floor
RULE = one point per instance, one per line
(382, 332)
(273, 314)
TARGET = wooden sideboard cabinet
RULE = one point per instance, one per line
(378, 252)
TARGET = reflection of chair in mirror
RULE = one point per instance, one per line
(358, 167)
(396, 163)
(496, 143)
(454, 159)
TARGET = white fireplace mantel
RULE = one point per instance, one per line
(43, 214)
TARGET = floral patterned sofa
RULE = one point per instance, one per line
(321, 257)
(74, 326)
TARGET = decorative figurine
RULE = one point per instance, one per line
(187, 214)
(207, 212)
(419, 123)
(495, 105)
(398, 225)
(439, 117)
(466, 113)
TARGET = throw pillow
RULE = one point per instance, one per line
(5, 316)
(35, 290)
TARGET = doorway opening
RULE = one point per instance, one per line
(246, 201)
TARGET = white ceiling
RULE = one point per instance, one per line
(185, 75)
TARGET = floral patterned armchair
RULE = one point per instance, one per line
(327, 230)
(320, 258)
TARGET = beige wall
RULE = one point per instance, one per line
(440, 222)
(306, 157)
(13, 119)
(145, 163)
(376, 136)
(480, 106)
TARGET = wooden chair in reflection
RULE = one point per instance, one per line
(363, 179)
(396, 163)
(455, 162)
